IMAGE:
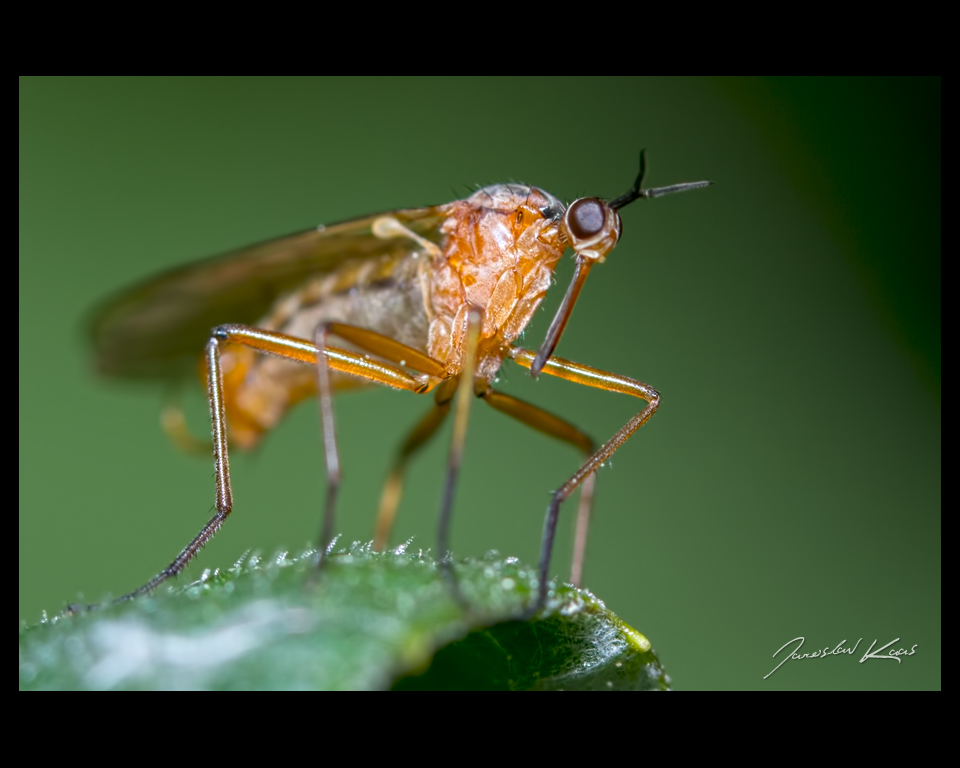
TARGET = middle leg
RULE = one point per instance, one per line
(419, 436)
(369, 342)
(562, 430)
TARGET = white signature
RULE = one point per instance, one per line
(839, 650)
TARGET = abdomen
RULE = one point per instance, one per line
(382, 295)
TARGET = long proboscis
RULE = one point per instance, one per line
(563, 314)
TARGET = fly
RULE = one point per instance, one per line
(420, 300)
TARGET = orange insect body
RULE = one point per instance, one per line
(498, 252)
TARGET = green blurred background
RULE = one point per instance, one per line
(790, 317)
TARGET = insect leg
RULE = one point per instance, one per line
(345, 362)
(340, 360)
(461, 415)
(591, 377)
(387, 348)
(390, 349)
(221, 464)
(554, 426)
(284, 346)
(393, 487)
(174, 425)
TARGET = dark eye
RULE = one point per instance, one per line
(585, 218)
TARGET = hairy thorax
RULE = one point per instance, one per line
(500, 248)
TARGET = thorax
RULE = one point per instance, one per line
(499, 251)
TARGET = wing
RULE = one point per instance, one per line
(158, 329)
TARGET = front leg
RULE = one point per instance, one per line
(598, 379)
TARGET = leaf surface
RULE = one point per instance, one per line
(369, 621)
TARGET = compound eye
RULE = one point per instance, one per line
(586, 218)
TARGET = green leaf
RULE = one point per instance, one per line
(368, 621)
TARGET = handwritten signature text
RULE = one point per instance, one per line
(840, 650)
